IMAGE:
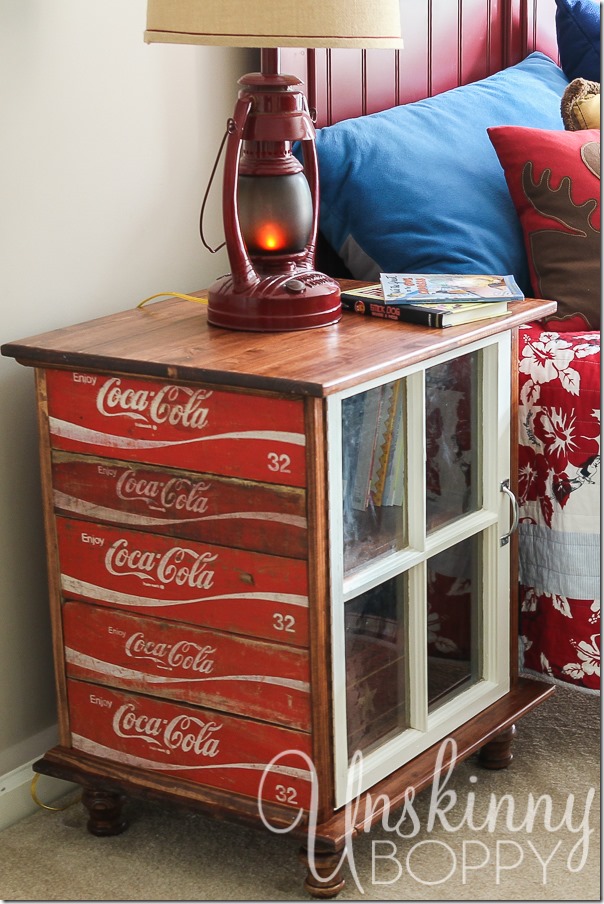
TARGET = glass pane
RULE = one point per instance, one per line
(376, 665)
(373, 464)
(452, 440)
(454, 616)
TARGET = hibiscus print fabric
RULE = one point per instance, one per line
(559, 499)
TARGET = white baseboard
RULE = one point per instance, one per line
(16, 801)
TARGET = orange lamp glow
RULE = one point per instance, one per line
(275, 212)
(270, 237)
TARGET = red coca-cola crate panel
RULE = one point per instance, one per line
(190, 427)
(209, 668)
(200, 745)
(230, 589)
(222, 510)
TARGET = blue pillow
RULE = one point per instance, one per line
(578, 33)
(419, 188)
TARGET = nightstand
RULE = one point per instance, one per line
(278, 563)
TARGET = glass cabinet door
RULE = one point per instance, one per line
(453, 596)
(453, 485)
(376, 665)
(374, 473)
(419, 582)
(453, 489)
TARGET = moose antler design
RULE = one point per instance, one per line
(574, 241)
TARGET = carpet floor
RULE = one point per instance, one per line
(479, 841)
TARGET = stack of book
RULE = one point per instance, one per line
(431, 299)
(378, 477)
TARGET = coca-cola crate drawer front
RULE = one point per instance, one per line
(253, 678)
(222, 510)
(199, 745)
(191, 427)
(230, 589)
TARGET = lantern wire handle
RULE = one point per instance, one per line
(228, 130)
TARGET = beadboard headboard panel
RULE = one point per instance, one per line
(447, 43)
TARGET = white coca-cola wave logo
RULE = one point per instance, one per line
(179, 406)
(184, 733)
(177, 494)
(184, 655)
(178, 565)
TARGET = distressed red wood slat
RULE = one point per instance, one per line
(264, 517)
(236, 590)
(252, 678)
(200, 745)
(193, 427)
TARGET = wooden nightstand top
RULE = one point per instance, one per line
(172, 339)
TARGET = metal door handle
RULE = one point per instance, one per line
(505, 488)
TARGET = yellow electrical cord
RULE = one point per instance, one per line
(173, 295)
(37, 800)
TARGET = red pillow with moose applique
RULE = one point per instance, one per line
(554, 181)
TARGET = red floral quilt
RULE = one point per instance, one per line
(559, 499)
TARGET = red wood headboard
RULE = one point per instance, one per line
(447, 43)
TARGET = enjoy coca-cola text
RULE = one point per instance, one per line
(171, 404)
(185, 733)
(184, 655)
(175, 494)
(178, 565)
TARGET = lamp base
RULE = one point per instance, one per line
(275, 303)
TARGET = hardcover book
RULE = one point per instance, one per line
(429, 314)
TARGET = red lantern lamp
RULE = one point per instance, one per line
(271, 200)
(270, 212)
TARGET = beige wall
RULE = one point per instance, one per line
(106, 148)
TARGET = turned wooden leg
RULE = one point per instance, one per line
(105, 811)
(323, 884)
(497, 754)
